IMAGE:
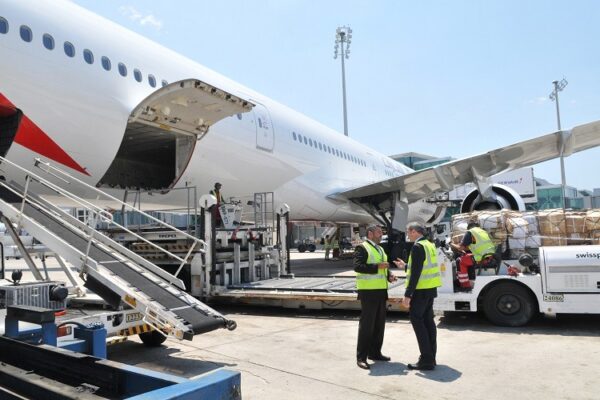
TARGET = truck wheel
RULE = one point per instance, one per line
(508, 304)
(152, 338)
(312, 248)
(302, 248)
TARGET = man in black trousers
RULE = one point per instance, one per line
(422, 280)
(372, 277)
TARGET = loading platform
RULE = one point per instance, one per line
(314, 292)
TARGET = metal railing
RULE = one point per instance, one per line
(99, 214)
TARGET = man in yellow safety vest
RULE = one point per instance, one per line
(482, 248)
(372, 277)
(327, 245)
(422, 280)
(477, 241)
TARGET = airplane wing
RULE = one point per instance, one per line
(423, 183)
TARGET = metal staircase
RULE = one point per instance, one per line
(115, 273)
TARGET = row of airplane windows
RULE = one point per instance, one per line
(69, 49)
(323, 147)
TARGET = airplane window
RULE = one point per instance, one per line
(294, 135)
(137, 75)
(105, 63)
(122, 69)
(239, 116)
(69, 49)
(48, 41)
(320, 146)
(164, 83)
(26, 34)
(152, 82)
(300, 138)
(337, 153)
(88, 56)
(3, 25)
(305, 141)
(329, 149)
(310, 142)
(259, 122)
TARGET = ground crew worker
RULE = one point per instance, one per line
(335, 245)
(219, 196)
(372, 277)
(217, 193)
(327, 246)
(479, 243)
(422, 280)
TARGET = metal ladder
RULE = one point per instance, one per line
(115, 273)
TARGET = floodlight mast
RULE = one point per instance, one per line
(343, 37)
(558, 87)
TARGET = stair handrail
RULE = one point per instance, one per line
(105, 215)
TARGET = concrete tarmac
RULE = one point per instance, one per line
(308, 354)
(291, 354)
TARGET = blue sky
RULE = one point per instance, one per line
(447, 78)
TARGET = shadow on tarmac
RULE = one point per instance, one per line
(388, 368)
(563, 324)
(441, 373)
(133, 353)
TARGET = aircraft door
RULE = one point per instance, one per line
(264, 128)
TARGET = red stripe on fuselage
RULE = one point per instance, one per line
(32, 137)
(6, 107)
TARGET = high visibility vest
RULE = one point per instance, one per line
(379, 280)
(483, 244)
(430, 276)
(217, 194)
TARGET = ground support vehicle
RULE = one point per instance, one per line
(563, 279)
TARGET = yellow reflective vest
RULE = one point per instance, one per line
(430, 276)
(483, 244)
(373, 281)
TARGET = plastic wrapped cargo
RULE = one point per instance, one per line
(553, 227)
(526, 231)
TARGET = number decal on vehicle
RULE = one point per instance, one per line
(558, 298)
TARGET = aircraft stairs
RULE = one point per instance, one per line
(110, 270)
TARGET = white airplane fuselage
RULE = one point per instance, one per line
(84, 109)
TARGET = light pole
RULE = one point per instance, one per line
(343, 37)
(558, 87)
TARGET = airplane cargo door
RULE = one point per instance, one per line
(264, 128)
